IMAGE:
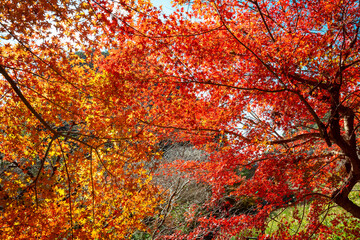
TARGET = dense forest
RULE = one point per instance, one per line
(222, 119)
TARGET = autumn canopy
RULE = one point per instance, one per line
(98, 97)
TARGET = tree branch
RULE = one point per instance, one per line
(41, 167)
(320, 124)
(296, 138)
(341, 196)
(298, 78)
(263, 19)
(25, 101)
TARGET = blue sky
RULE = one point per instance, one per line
(166, 5)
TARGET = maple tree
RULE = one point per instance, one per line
(72, 157)
(264, 85)
(271, 85)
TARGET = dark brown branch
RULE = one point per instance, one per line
(92, 188)
(245, 46)
(320, 223)
(57, 72)
(197, 130)
(320, 124)
(41, 167)
(25, 101)
(69, 188)
(263, 19)
(34, 112)
(350, 64)
(296, 138)
(298, 78)
(341, 197)
(235, 87)
(352, 44)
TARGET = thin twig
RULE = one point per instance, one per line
(69, 187)
(41, 166)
